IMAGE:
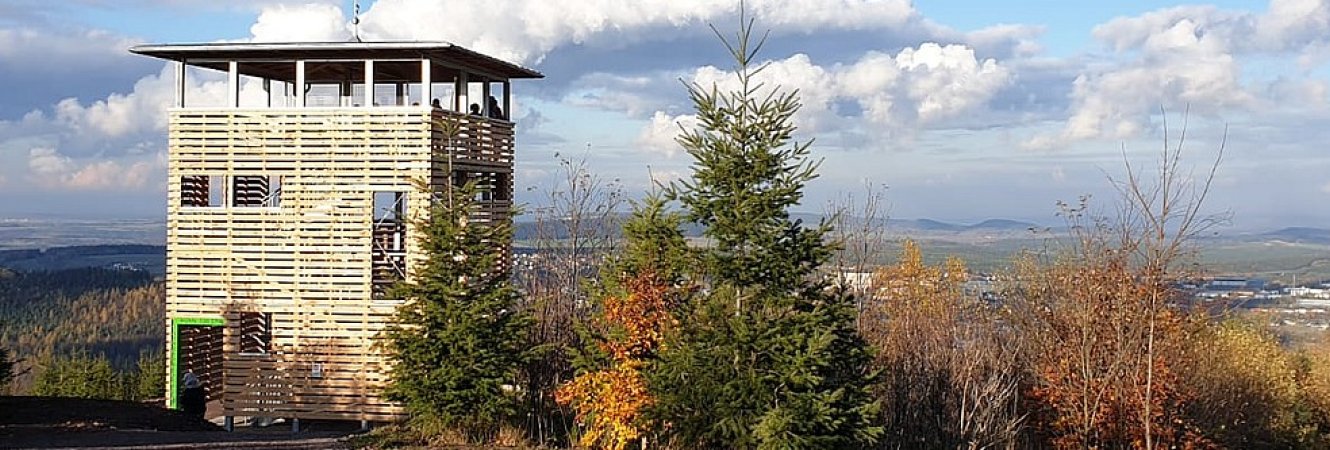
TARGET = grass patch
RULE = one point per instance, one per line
(424, 435)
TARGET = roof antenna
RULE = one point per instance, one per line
(355, 19)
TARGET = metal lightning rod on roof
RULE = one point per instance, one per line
(355, 19)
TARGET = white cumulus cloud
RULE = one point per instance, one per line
(117, 142)
(311, 22)
(53, 170)
(658, 136)
(924, 84)
(1187, 57)
(143, 109)
(916, 88)
(45, 161)
(524, 31)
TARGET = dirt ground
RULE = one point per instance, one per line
(51, 422)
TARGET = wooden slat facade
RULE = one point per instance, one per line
(300, 246)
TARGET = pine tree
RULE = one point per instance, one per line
(768, 356)
(79, 375)
(457, 342)
(151, 379)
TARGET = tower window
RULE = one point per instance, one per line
(202, 190)
(256, 191)
(389, 205)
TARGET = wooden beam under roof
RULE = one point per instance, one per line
(263, 59)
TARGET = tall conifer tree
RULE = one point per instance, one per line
(457, 342)
(767, 356)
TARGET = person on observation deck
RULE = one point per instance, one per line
(496, 112)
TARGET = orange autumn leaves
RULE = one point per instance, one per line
(1103, 354)
(642, 315)
(610, 401)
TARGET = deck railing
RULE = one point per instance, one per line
(473, 139)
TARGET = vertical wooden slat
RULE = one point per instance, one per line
(300, 84)
(369, 83)
(233, 84)
(180, 84)
(426, 82)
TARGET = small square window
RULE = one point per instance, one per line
(256, 191)
(389, 205)
(202, 190)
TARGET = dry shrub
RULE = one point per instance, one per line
(1099, 316)
(1315, 383)
(426, 433)
(949, 378)
(572, 235)
(1101, 347)
(1243, 387)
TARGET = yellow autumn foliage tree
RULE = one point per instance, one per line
(948, 380)
(1242, 386)
(1315, 385)
(610, 401)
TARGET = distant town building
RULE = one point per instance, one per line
(1309, 292)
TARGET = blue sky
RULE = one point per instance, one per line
(966, 109)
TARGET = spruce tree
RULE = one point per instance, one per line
(151, 382)
(767, 356)
(80, 375)
(458, 340)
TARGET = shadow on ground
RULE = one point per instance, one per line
(53, 422)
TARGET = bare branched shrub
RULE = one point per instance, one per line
(1103, 338)
(949, 375)
(860, 230)
(1100, 351)
(573, 232)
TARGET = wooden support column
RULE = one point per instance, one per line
(369, 83)
(460, 99)
(426, 84)
(233, 84)
(507, 101)
(180, 84)
(485, 99)
(300, 84)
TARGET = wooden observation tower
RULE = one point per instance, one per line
(290, 195)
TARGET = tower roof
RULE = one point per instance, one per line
(268, 60)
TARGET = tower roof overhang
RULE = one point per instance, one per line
(270, 60)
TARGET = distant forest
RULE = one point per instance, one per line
(94, 312)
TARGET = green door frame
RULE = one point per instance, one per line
(176, 323)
